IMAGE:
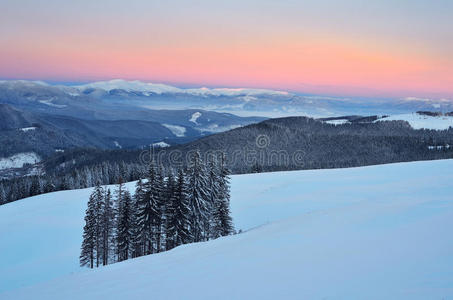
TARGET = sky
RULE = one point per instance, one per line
(384, 48)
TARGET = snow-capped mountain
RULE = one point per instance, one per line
(119, 95)
(158, 88)
(130, 86)
(250, 101)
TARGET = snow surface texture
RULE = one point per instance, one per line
(418, 121)
(380, 232)
(18, 160)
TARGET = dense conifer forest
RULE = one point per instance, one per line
(294, 143)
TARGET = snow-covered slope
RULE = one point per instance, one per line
(177, 130)
(380, 232)
(419, 121)
(194, 117)
(18, 160)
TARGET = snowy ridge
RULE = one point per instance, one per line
(301, 241)
(130, 86)
(234, 92)
(157, 88)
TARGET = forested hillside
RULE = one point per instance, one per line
(294, 143)
(305, 143)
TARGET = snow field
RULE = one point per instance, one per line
(379, 232)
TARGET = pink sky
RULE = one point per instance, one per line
(382, 50)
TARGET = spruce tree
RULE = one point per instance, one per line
(124, 226)
(149, 212)
(160, 198)
(214, 193)
(182, 214)
(2, 195)
(14, 192)
(98, 208)
(223, 223)
(198, 197)
(88, 249)
(170, 202)
(35, 188)
(107, 226)
(23, 190)
(119, 195)
(138, 234)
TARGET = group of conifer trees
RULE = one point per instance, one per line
(167, 210)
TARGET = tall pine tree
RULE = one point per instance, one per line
(149, 212)
(125, 233)
(213, 195)
(182, 214)
(107, 226)
(198, 197)
(138, 234)
(98, 229)
(88, 250)
(223, 223)
(160, 197)
(91, 248)
(2, 195)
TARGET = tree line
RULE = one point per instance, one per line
(79, 178)
(168, 209)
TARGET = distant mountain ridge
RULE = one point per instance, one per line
(22, 131)
(86, 100)
(11, 118)
(158, 88)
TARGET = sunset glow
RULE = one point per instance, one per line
(385, 49)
